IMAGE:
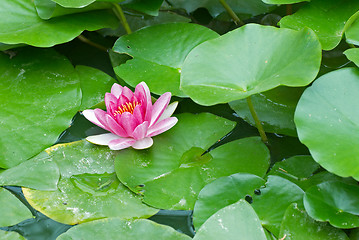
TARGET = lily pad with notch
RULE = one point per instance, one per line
(88, 188)
(159, 57)
(249, 60)
(172, 172)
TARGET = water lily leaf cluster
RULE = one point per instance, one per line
(179, 119)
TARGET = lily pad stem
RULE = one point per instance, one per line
(231, 13)
(119, 13)
(89, 42)
(259, 126)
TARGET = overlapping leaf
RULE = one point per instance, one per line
(21, 24)
(159, 51)
(297, 224)
(223, 192)
(88, 188)
(275, 109)
(237, 221)
(115, 228)
(327, 18)
(335, 202)
(175, 167)
(12, 210)
(40, 93)
(222, 70)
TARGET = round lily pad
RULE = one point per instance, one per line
(88, 188)
(159, 57)
(94, 85)
(297, 224)
(10, 235)
(327, 113)
(222, 192)
(171, 173)
(12, 210)
(40, 93)
(116, 228)
(275, 109)
(335, 202)
(21, 16)
(272, 200)
(250, 60)
(353, 55)
(327, 18)
(237, 221)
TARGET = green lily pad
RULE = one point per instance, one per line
(10, 235)
(149, 7)
(47, 9)
(137, 22)
(158, 56)
(304, 172)
(39, 173)
(21, 16)
(88, 188)
(12, 210)
(275, 109)
(273, 200)
(237, 221)
(222, 192)
(327, 18)
(352, 33)
(41, 93)
(327, 113)
(284, 1)
(245, 8)
(171, 173)
(113, 228)
(298, 225)
(234, 66)
(335, 202)
(80, 3)
(94, 85)
(353, 55)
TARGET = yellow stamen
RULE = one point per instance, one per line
(126, 107)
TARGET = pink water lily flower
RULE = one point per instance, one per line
(131, 118)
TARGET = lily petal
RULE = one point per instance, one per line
(128, 122)
(140, 131)
(116, 90)
(89, 114)
(143, 143)
(115, 127)
(168, 111)
(162, 126)
(102, 139)
(121, 143)
(159, 106)
(110, 101)
(101, 117)
(127, 93)
(137, 113)
(143, 92)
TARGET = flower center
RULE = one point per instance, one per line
(127, 107)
